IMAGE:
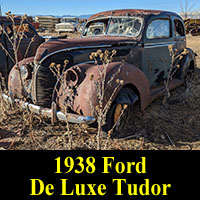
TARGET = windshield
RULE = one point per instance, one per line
(115, 26)
(69, 20)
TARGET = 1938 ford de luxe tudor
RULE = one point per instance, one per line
(149, 45)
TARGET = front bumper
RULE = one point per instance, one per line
(72, 118)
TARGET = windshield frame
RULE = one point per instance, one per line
(107, 28)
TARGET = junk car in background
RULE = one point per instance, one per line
(68, 24)
(26, 44)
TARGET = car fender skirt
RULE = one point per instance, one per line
(188, 58)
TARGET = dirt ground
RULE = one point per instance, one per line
(175, 125)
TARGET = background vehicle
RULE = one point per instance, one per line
(46, 23)
(68, 24)
(30, 40)
(192, 26)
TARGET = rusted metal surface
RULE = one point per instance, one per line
(82, 98)
(141, 63)
(51, 47)
(128, 12)
(13, 80)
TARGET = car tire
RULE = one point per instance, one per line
(120, 111)
(188, 78)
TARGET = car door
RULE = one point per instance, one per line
(156, 55)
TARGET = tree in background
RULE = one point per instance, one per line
(186, 8)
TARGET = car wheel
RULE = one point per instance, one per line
(120, 112)
(188, 79)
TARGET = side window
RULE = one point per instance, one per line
(96, 28)
(178, 28)
(158, 29)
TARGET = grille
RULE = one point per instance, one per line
(46, 80)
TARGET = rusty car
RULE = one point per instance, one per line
(30, 41)
(149, 44)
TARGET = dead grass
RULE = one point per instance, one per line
(179, 119)
(193, 42)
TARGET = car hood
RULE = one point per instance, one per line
(94, 42)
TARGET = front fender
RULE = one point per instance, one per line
(14, 84)
(84, 98)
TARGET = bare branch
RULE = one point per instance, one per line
(186, 8)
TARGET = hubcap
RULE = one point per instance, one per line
(117, 113)
(120, 115)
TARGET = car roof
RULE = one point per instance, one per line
(131, 12)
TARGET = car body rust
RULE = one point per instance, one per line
(142, 40)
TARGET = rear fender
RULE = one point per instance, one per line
(188, 62)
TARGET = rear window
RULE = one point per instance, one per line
(178, 28)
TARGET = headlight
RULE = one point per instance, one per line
(71, 77)
(24, 72)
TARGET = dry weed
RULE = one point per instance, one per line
(101, 110)
(15, 40)
(58, 72)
